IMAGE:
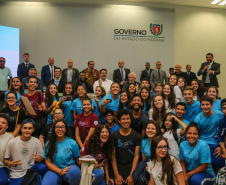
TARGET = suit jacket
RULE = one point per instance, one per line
(144, 74)
(190, 77)
(213, 77)
(155, 77)
(75, 75)
(117, 75)
(22, 71)
(60, 86)
(182, 74)
(46, 74)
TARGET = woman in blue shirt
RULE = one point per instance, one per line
(195, 157)
(213, 93)
(146, 99)
(61, 156)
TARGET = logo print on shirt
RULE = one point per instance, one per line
(159, 175)
(66, 151)
(95, 122)
(25, 151)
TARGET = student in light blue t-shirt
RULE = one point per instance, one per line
(180, 110)
(192, 106)
(109, 117)
(208, 123)
(111, 101)
(146, 99)
(213, 93)
(61, 157)
(195, 157)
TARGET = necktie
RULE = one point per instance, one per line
(159, 73)
(148, 71)
(52, 72)
(122, 75)
(57, 82)
(26, 65)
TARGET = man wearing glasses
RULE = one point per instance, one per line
(158, 75)
(5, 72)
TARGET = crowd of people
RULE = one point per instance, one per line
(159, 130)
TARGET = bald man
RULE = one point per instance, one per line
(178, 71)
(70, 74)
(120, 75)
(47, 72)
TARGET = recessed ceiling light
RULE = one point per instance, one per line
(215, 1)
(223, 3)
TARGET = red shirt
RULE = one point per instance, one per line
(34, 102)
(84, 151)
(85, 123)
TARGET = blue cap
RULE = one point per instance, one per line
(28, 120)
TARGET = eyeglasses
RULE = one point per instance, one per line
(11, 98)
(160, 148)
(58, 113)
(60, 127)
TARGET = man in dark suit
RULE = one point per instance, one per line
(70, 74)
(23, 68)
(82, 81)
(189, 75)
(147, 72)
(60, 83)
(121, 75)
(47, 72)
(209, 71)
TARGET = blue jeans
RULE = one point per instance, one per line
(4, 177)
(199, 177)
(72, 177)
(99, 177)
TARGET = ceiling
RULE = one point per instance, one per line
(195, 3)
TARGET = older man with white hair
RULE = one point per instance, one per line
(131, 79)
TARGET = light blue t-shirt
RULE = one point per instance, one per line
(146, 148)
(77, 106)
(185, 121)
(68, 113)
(208, 126)
(4, 74)
(192, 111)
(114, 128)
(49, 116)
(217, 105)
(113, 105)
(18, 97)
(67, 151)
(195, 156)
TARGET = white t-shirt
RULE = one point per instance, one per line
(4, 139)
(22, 150)
(105, 84)
(178, 92)
(173, 146)
(155, 168)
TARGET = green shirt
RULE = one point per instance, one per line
(4, 73)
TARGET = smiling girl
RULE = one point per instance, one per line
(213, 93)
(146, 99)
(169, 97)
(177, 91)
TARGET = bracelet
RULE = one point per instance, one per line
(60, 172)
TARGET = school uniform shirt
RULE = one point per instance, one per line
(68, 113)
(23, 151)
(195, 156)
(115, 128)
(173, 145)
(146, 148)
(67, 151)
(84, 123)
(113, 105)
(12, 118)
(208, 126)
(98, 157)
(155, 168)
(217, 105)
(18, 97)
(4, 139)
(192, 111)
(77, 106)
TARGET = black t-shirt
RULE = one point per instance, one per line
(12, 116)
(47, 131)
(125, 146)
(140, 123)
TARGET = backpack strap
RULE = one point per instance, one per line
(39, 98)
(175, 135)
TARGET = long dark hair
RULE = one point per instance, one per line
(158, 129)
(49, 97)
(171, 97)
(201, 89)
(77, 96)
(51, 146)
(72, 93)
(167, 163)
(128, 101)
(94, 143)
(102, 89)
(21, 91)
(175, 125)
(149, 99)
(156, 113)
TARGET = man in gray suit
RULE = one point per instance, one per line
(158, 75)
(70, 74)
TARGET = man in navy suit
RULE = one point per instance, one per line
(147, 72)
(47, 72)
(189, 75)
(209, 71)
(23, 68)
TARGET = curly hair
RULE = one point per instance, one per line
(201, 89)
(171, 96)
(50, 149)
(94, 143)
(49, 97)
(127, 105)
(103, 93)
(149, 99)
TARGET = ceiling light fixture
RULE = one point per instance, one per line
(215, 1)
(223, 3)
